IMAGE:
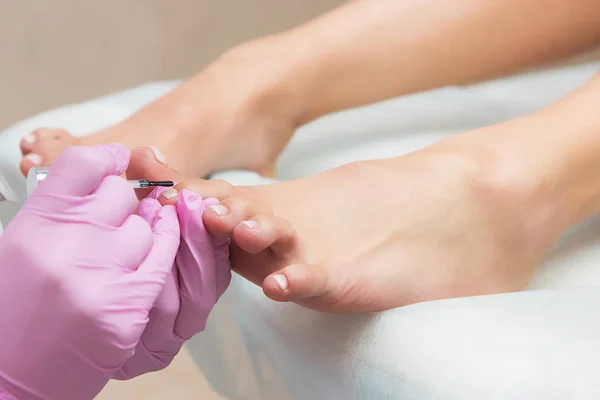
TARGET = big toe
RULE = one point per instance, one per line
(149, 163)
(42, 146)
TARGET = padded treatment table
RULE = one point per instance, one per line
(541, 343)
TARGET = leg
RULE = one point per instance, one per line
(220, 119)
(471, 215)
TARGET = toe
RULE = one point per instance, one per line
(149, 163)
(221, 219)
(266, 231)
(216, 221)
(217, 188)
(28, 142)
(298, 282)
(29, 161)
(52, 133)
(42, 146)
(167, 197)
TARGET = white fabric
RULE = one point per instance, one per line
(536, 344)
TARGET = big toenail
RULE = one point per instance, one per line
(160, 157)
(219, 209)
(169, 194)
(35, 159)
(30, 138)
(250, 224)
(281, 280)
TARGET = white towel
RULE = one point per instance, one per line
(536, 344)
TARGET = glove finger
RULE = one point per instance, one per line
(162, 316)
(149, 209)
(159, 262)
(198, 275)
(80, 170)
(131, 245)
(159, 334)
(158, 345)
(222, 255)
(112, 203)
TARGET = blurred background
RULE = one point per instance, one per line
(57, 52)
(65, 51)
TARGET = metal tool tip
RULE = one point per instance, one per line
(161, 183)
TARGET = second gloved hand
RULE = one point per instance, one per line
(201, 274)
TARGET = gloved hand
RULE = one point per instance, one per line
(79, 274)
(201, 274)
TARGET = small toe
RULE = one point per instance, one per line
(296, 282)
(42, 146)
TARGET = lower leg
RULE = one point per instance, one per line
(226, 117)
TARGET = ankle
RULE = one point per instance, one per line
(504, 187)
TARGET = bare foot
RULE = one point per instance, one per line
(260, 241)
(42, 146)
(382, 234)
(389, 233)
(226, 117)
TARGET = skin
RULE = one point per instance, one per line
(241, 111)
(475, 213)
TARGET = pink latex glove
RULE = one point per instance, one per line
(79, 274)
(201, 275)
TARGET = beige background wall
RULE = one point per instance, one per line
(55, 52)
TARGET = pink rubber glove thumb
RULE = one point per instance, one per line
(202, 273)
(79, 274)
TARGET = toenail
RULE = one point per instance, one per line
(250, 224)
(30, 138)
(160, 157)
(219, 209)
(35, 159)
(169, 194)
(281, 280)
